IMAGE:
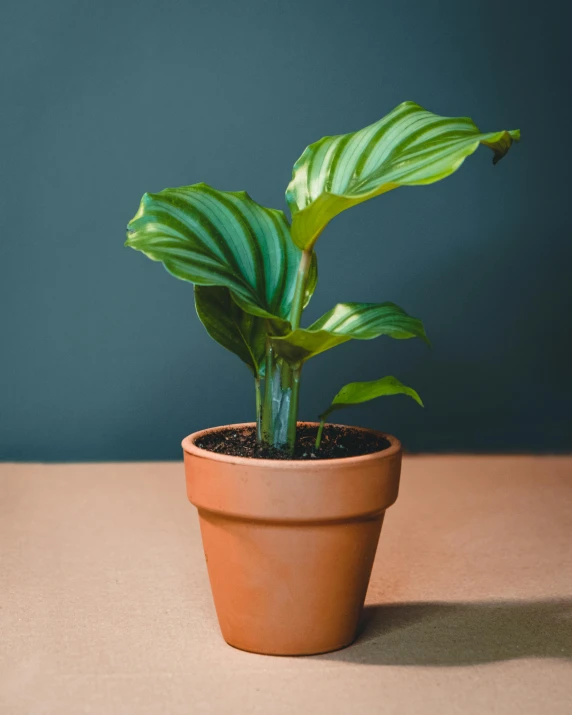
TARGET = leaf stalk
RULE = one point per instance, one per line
(300, 289)
(320, 431)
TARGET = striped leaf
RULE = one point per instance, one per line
(222, 238)
(408, 147)
(354, 393)
(233, 328)
(348, 321)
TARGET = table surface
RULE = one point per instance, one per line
(106, 608)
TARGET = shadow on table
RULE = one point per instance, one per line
(446, 634)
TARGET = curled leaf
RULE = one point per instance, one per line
(408, 147)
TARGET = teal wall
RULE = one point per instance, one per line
(102, 356)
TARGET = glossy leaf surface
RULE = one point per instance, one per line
(354, 393)
(348, 321)
(408, 147)
(221, 238)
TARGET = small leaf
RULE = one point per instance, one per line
(348, 321)
(233, 328)
(221, 238)
(409, 146)
(354, 393)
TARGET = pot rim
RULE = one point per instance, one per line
(189, 446)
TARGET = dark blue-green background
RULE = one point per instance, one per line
(102, 356)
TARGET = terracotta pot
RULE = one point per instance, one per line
(290, 544)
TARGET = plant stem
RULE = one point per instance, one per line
(293, 412)
(266, 422)
(299, 290)
(258, 407)
(278, 416)
(277, 423)
(319, 435)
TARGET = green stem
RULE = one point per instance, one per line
(300, 289)
(293, 412)
(320, 430)
(280, 403)
(267, 432)
(258, 407)
(279, 408)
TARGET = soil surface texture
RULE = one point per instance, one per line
(337, 441)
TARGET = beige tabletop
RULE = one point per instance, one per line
(105, 602)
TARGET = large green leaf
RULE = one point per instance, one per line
(354, 393)
(221, 238)
(237, 331)
(408, 147)
(348, 321)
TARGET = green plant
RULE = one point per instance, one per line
(254, 272)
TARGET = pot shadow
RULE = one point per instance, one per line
(453, 634)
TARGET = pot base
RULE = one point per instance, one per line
(289, 588)
(292, 655)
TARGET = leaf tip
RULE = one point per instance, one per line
(501, 148)
(129, 236)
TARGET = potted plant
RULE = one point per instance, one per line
(291, 512)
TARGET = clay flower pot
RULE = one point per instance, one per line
(290, 544)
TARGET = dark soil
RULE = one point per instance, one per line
(337, 441)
